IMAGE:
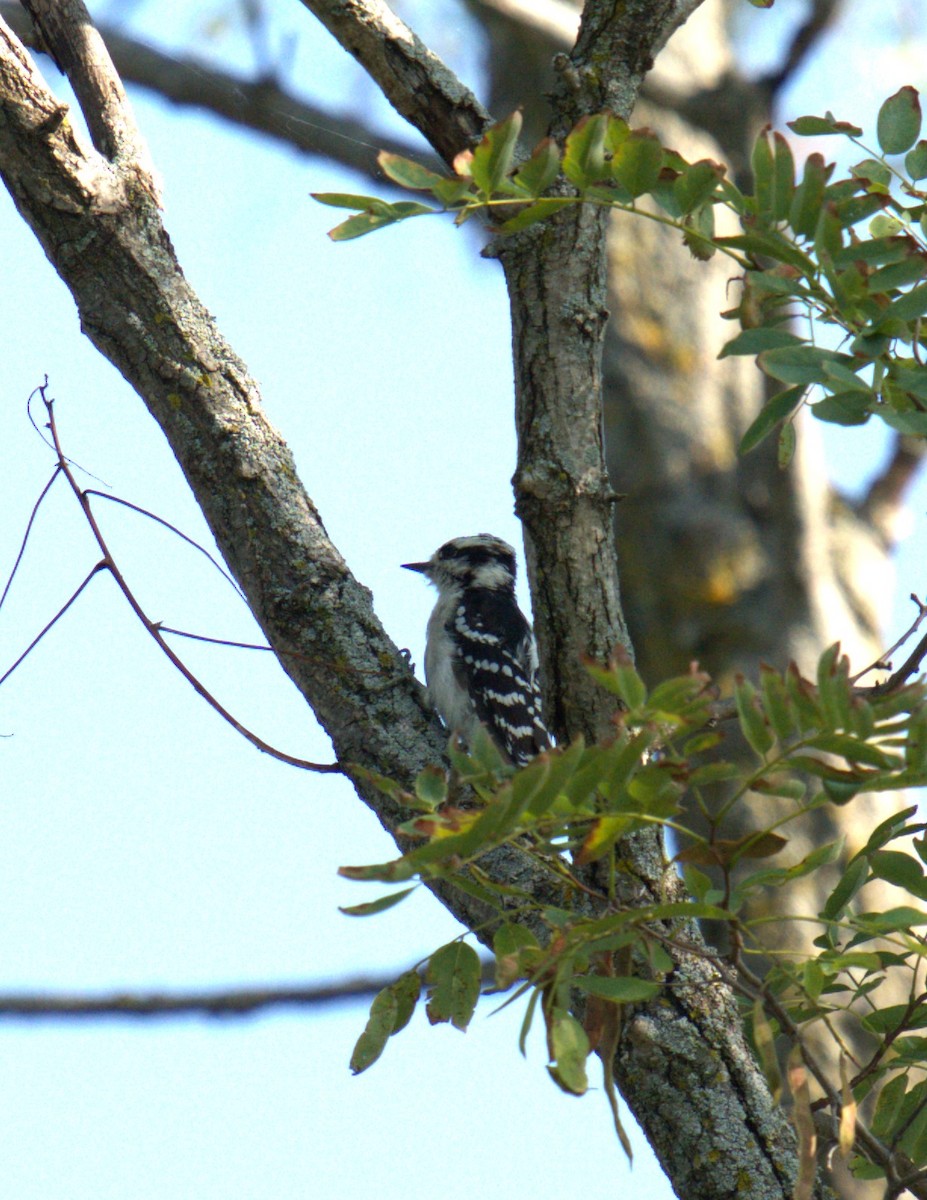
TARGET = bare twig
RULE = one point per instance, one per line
(144, 512)
(108, 563)
(22, 549)
(883, 662)
(904, 672)
(50, 625)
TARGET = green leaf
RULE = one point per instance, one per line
(779, 407)
(696, 184)
(492, 158)
(899, 121)
(788, 439)
(603, 833)
(636, 162)
(915, 162)
(366, 222)
(508, 943)
(848, 885)
(896, 920)
(776, 702)
(451, 191)
(892, 1017)
(624, 989)
(872, 171)
(376, 906)
(896, 275)
(621, 680)
(454, 975)
(900, 869)
(526, 1023)
(838, 373)
(876, 252)
(912, 304)
(752, 341)
(584, 151)
(801, 364)
(396, 871)
(541, 210)
(348, 200)
(844, 408)
(892, 828)
(774, 175)
(909, 422)
(408, 174)
(569, 1049)
(808, 198)
(563, 763)
(855, 751)
(814, 126)
(538, 172)
(390, 1011)
(431, 788)
(750, 715)
(828, 234)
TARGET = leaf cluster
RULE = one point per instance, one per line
(849, 253)
(811, 742)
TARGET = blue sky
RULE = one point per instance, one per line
(142, 845)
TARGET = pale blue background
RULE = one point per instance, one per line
(142, 844)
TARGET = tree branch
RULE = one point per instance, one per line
(414, 80)
(261, 105)
(70, 38)
(821, 16)
(220, 1002)
(883, 506)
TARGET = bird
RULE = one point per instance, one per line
(481, 661)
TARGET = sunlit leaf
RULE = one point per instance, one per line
(848, 885)
(508, 943)
(541, 210)
(538, 172)
(390, 1012)
(637, 161)
(492, 158)
(752, 341)
(899, 121)
(808, 197)
(622, 989)
(815, 126)
(376, 906)
(781, 406)
(568, 1048)
(454, 975)
(407, 173)
(696, 184)
(915, 162)
(584, 151)
(750, 714)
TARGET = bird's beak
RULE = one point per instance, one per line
(422, 568)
